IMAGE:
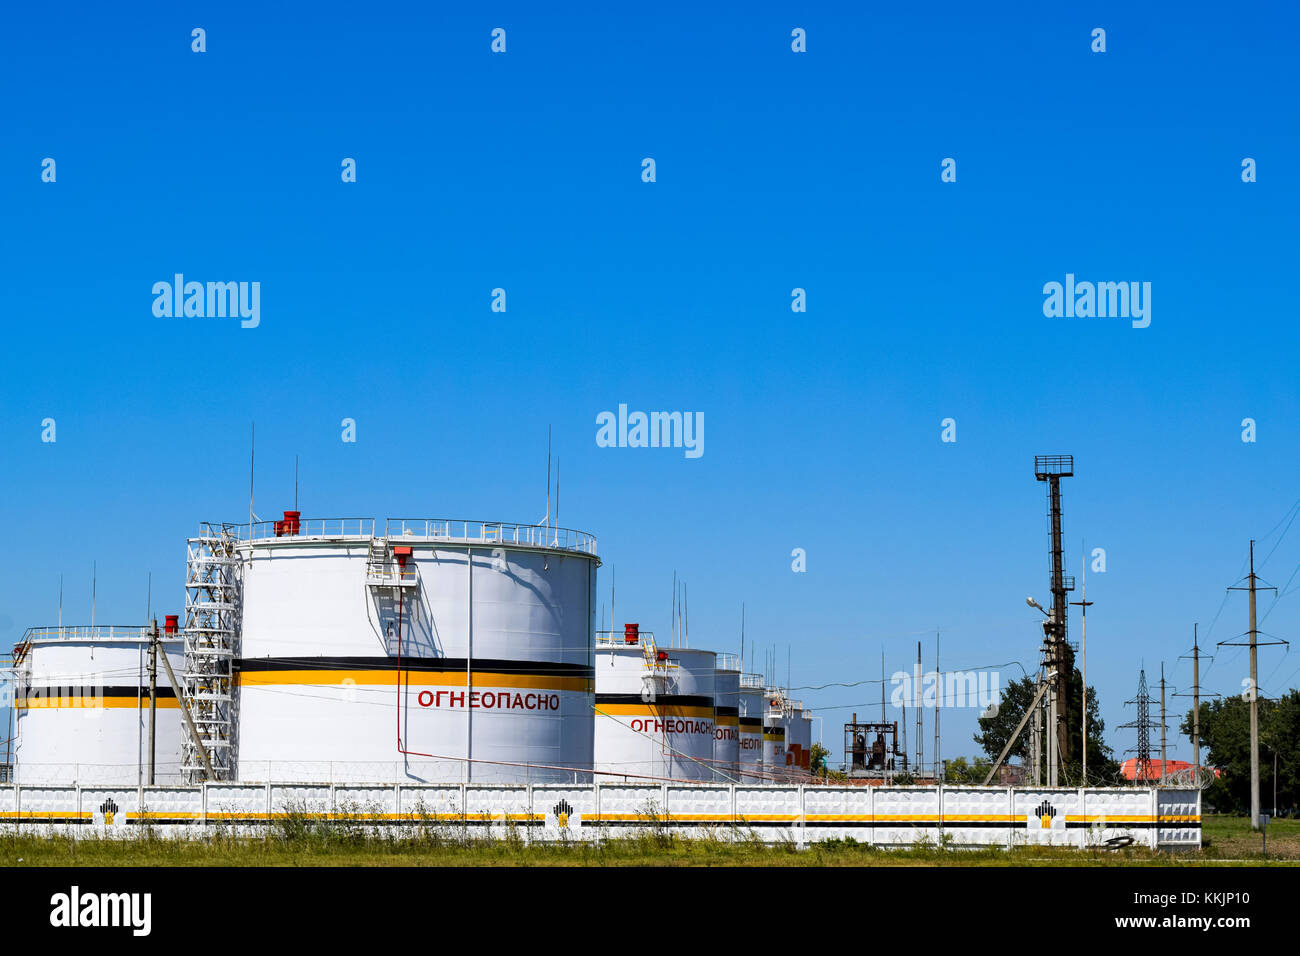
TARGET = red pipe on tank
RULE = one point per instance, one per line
(172, 624)
(631, 633)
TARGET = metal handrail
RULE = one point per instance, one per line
(427, 529)
(96, 632)
(307, 528)
(728, 662)
(615, 638)
(491, 532)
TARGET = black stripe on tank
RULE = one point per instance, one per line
(432, 664)
(755, 722)
(728, 711)
(120, 690)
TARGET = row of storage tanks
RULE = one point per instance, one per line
(437, 651)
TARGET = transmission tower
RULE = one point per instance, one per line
(1143, 724)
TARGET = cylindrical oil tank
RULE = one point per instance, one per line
(752, 709)
(775, 725)
(654, 710)
(808, 738)
(801, 732)
(427, 650)
(82, 707)
(795, 748)
(726, 705)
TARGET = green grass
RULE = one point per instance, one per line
(301, 841)
(1225, 837)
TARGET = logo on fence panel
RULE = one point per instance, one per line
(109, 809)
(1044, 815)
(563, 811)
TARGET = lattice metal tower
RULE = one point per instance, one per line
(1142, 770)
(211, 635)
(1058, 660)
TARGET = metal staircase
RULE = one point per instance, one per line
(390, 573)
(654, 682)
(211, 636)
(386, 568)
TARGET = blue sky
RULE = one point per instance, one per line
(775, 170)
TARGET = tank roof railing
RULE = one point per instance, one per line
(456, 530)
(616, 639)
(490, 532)
(752, 680)
(105, 633)
(307, 528)
(728, 662)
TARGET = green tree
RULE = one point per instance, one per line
(961, 770)
(1225, 735)
(1016, 698)
(817, 759)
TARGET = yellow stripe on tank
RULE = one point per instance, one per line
(92, 703)
(652, 710)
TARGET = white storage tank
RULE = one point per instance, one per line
(801, 731)
(752, 709)
(426, 650)
(82, 707)
(808, 718)
(726, 705)
(654, 709)
(775, 726)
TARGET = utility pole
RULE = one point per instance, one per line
(882, 686)
(1164, 765)
(920, 713)
(1254, 701)
(1253, 690)
(903, 725)
(1196, 701)
(1083, 606)
(938, 677)
(1036, 738)
(153, 696)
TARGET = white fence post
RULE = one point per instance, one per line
(803, 814)
(1011, 809)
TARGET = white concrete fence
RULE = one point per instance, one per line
(1159, 818)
